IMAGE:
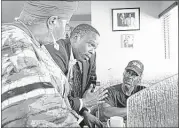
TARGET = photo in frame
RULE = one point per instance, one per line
(125, 19)
(127, 41)
(68, 30)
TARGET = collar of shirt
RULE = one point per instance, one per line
(73, 60)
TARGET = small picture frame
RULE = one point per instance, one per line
(125, 19)
(127, 41)
(68, 30)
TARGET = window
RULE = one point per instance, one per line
(170, 31)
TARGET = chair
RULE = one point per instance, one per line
(155, 106)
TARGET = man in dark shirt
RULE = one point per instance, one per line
(76, 56)
(115, 103)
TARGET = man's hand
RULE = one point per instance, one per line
(94, 109)
(93, 98)
(91, 120)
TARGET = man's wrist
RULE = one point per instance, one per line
(83, 110)
(81, 104)
(84, 102)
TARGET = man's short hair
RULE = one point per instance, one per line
(83, 29)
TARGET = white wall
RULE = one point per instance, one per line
(75, 23)
(148, 42)
(174, 36)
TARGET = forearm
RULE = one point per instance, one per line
(74, 103)
(114, 111)
(88, 103)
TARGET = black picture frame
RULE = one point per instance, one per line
(125, 19)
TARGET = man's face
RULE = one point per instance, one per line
(59, 30)
(55, 29)
(131, 78)
(86, 46)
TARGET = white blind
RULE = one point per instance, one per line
(170, 33)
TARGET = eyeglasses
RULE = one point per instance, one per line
(130, 73)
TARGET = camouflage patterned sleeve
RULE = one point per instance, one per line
(17, 52)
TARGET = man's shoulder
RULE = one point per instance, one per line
(114, 88)
(140, 87)
(14, 36)
(10, 29)
(66, 44)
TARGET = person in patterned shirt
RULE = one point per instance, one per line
(34, 88)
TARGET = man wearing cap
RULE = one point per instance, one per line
(115, 103)
(34, 89)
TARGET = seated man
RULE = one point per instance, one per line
(116, 101)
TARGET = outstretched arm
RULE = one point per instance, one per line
(109, 111)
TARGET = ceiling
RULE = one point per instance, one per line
(84, 7)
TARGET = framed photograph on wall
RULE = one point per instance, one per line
(127, 41)
(68, 30)
(125, 19)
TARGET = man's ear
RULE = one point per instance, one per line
(76, 38)
(52, 22)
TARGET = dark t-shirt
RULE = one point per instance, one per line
(116, 97)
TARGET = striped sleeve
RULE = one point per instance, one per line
(20, 65)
